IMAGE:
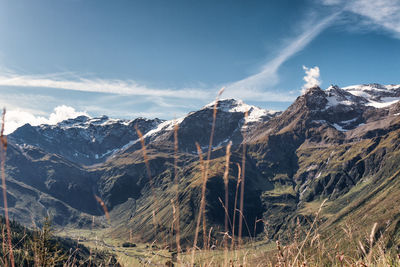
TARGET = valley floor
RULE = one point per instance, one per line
(252, 254)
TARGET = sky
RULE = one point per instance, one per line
(156, 58)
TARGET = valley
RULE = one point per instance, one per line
(338, 147)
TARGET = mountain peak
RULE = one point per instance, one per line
(375, 85)
(314, 98)
(232, 105)
(310, 90)
(332, 87)
(227, 105)
(76, 120)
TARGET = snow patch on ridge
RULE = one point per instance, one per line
(255, 114)
(84, 122)
(385, 102)
(164, 126)
(339, 128)
(375, 95)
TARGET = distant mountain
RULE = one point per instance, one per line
(339, 144)
(82, 140)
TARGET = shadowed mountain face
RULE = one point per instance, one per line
(338, 144)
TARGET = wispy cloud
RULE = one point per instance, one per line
(268, 76)
(384, 13)
(121, 87)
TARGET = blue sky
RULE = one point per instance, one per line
(165, 58)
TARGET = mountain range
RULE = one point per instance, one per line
(338, 144)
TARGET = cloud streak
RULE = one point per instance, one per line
(268, 76)
(129, 87)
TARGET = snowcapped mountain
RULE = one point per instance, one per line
(196, 126)
(87, 141)
(375, 95)
(255, 114)
(83, 140)
(349, 107)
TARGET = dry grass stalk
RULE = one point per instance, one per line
(280, 256)
(256, 220)
(209, 238)
(308, 233)
(371, 242)
(362, 247)
(242, 179)
(103, 205)
(226, 206)
(207, 165)
(3, 245)
(172, 229)
(176, 179)
(202, 201)
(235, 205)
(245, 222)
(153, 191)
(3, 180)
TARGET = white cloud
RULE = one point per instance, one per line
(17, 117)
(268, 76)
(384, 13)
(311, 78)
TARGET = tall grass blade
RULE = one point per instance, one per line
(226, 183)
(153, 191)
(3, 149)
(308, 233)
(176, 179)
(103, 205)
(202, 201)
(235, 205)
(209, 157)
(242, 180)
